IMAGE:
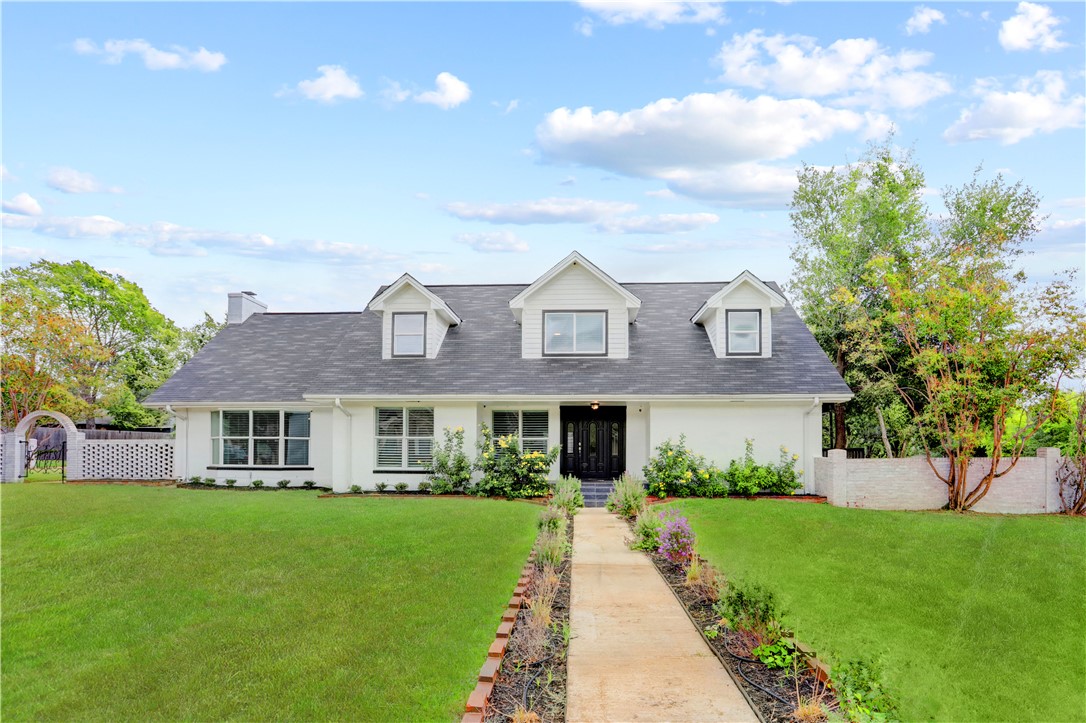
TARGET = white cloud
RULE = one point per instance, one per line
(739, 185)
(546, 210)
(449, 93)
(661, 193)
(176, 58)
(494, 242)
(163, 238)
(672, 247)
(5, 174)
(1032, 26)
(1039, 104)
(653, 14)
(851, 71)
(393, 92)
(69, 180)
(23, 204)
(333, 84)
(13, 254)
(584, 26)
(922, 19)
(663, 223)
(511, 106)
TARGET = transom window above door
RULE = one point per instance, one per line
(578, 333)
(409, 334)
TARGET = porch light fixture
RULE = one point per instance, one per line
(595, 405)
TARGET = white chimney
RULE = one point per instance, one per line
(241, 305)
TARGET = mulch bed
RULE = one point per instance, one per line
(250, 488)
(814, 499)
(537, 685)
(754, 678)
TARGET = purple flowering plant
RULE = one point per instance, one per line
(677, 541)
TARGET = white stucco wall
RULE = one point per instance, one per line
(575, 289)
(718, 430)
(192, 451)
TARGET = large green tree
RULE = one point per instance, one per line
(981, 345)
(843, 218)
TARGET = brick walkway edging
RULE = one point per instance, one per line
(480, 697)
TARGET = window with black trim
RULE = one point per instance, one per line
(409, 334)
(578, 333)
(744, 332)
(404, 437)
(530, 426)
(259, 438)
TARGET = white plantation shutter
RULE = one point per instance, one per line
(390, 422)
(534, 431)
(420, 422)
(401, 445)
(506, 423)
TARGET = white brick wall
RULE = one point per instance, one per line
(910, 484)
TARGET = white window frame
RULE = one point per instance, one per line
(728, 331)
(575, 313)
(217, 450)
(520, 427)
(405, 437)
(395, 336)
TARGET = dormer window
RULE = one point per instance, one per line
(574, 333)
(744, 328)
(409, 334)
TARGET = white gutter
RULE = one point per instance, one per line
(808, 465)
(350, 440)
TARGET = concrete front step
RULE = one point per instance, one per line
(595, 493)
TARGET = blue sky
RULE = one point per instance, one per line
(312, 152)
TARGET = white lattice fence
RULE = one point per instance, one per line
(128, 459)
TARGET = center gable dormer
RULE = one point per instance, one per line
(575, 310)
(739, 318)
(414, 320)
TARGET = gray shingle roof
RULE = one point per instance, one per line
(281, 357)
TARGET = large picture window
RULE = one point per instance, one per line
(529, 426)
(580, 333)
(404, 437)
(409, 334)
(259, 438)
(744, 332)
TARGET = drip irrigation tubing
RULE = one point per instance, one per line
(739, 666)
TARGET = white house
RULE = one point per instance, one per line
(605, 370)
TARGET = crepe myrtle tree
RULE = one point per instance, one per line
(981, 344)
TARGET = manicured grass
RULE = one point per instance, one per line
(978, 618)
(133, 603)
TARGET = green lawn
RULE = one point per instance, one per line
(978, 618)
(125, 603)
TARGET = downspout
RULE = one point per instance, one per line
(350, 442)
(808, 465)
(185, 419)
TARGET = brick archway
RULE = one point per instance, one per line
(14, 460)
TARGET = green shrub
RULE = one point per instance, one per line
(747, 477)
(231, 482)
(675, 471)
(309, 484)
(550, 548)
(258, 483)
(568, 495)
(425, 486)
(401, 486)
(751, 607)
(450, 468)
(861, 692)
(381, 486)
(508, 471)
(627, 497)
(196, 480)
(356, 489)
(647, 528)
(779, 655)
(283, 484)
(551, 518)
(209, 481)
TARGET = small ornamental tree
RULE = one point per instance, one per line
(450, 469)
(979, 342)
(1072, 473)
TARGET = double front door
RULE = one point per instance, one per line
(593, 442)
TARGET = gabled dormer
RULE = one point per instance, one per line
(575, 310)
(739, 318)
(414, 320)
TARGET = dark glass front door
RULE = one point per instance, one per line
(593, 442)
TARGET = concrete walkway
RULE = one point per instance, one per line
(634, 655)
